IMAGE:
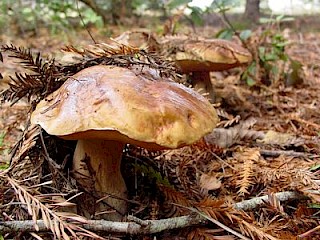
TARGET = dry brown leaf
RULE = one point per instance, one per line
(208, 234)
(209, 182)
(226, 137)
(281, 139)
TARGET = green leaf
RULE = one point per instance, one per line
(271, 57)
(281, 44)
(244, 35)
(224, 5)
(266, 20)
(283, 18)
(248, 73)
(280, 17)
(196, 15)
(288, 19)
(2, 135)
(274, 69)
(250, 82)
(314, 205)
(177, 3)
(262, 52)
(225, 34)
(294, 78)
(1, 237)
(152, 174)
(4, 166)
(315, 167)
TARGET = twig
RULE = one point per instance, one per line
(255, 202)
(308, 233)
(132, 228)
(275, 153)
(139, 226)
(227, 22)
(84, 25)
(46, 154)
(137, 220)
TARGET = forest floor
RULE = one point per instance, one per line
(269, 144)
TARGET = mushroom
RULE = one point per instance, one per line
(106, 107)
(200, 57)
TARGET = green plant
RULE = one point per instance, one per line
(151, 174)
(270, 62)
(2, 135)
(269, 56)
(192, 14)
(3, 165)
(55, 15)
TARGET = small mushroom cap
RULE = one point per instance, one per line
(211, 55)
(109, 102)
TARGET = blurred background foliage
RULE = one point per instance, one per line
(232, 18)
(65, 15)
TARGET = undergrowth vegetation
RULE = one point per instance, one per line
(255, 176)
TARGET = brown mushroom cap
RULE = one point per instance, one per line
(110, 102)
(210, 55)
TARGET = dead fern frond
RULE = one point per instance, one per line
(275, 204)
(102, 49)
(26, 57)
(39, 84)
(55, 221)
(230, 122)
(282, 173)
(249, 229)
(184, 167)
(29, 140)
(213, 208)
(120, 55)
(246, 173)
(47, 76)
(175, 201)
(208, 234)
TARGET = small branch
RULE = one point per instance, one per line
(276, 153)
(132, 228)
(227, 22)
(309, 233)
(255, 202)
(139, 226)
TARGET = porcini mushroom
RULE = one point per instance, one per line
(200, 57)
(105, 107)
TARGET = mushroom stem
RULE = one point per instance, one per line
(201, 81)
(96, 164)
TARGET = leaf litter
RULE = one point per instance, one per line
(267, 144)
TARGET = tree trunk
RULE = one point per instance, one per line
(252, 10)
(99, 11)
(121, 10)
